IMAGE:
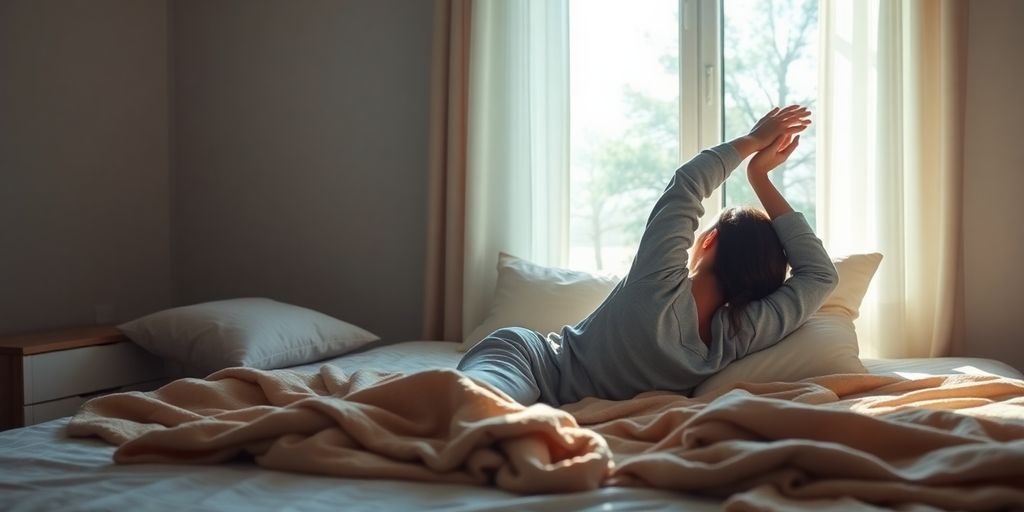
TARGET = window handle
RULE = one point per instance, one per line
(709, 78)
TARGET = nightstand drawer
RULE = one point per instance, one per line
(46, 411)
(70, 373)
(53, 409)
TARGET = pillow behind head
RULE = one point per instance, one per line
(855, 273)
(540, 298)
(824, 345)
(255, 332)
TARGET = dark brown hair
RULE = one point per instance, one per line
(750, 262)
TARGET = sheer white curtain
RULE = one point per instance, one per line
(517, 170)
(890, 163)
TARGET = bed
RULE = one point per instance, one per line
(43, 469)
(791, 426)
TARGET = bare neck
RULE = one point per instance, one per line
(708, 298)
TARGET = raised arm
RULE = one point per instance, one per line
(813, 276)
(757, 174)
(670, 228)
(674, 219)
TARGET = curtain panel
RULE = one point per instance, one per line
(890, 164)
(517, 170)
(446, 171)
(499, 151)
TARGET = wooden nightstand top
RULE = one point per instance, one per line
(60, 339)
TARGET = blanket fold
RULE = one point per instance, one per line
(944, 441)
(431, 426)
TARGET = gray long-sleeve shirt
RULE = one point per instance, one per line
(645, 335)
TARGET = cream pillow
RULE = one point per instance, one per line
(255, 332)
(825, 344)
(540, 298)
(855, 273)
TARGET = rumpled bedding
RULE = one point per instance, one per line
(946, 442)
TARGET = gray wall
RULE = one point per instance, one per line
(994, 182)
(83, 161)
(300, 136)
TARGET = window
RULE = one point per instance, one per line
(624, 123)
(769, 57)
(649, 87)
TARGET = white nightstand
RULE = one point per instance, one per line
(49, 375)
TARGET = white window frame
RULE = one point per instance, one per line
(700, 85)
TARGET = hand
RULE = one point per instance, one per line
(777, 122)
(774, 155)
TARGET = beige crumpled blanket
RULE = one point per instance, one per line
(948, 441)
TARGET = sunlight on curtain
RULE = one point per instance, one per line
(889, 164)
(517, 170)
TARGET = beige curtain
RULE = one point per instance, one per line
(446, 180)
(890, 163)
(517, 168)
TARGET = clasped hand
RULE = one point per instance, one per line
(776, 136)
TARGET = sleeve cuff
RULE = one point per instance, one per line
(791, 225)
(728, 155)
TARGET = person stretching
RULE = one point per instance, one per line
(674, 321)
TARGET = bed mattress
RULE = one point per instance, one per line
(42, 469)
(420, 355)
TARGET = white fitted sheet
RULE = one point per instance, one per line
(923, 367)
(406, 357)
(42, 469)
(420, 355)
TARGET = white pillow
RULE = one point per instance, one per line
(255, 332)
(825, 344)
(855, 273)
(540, 298)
